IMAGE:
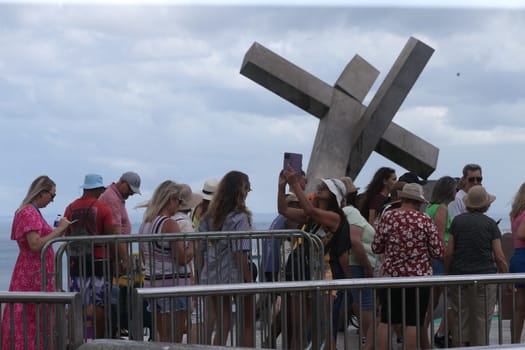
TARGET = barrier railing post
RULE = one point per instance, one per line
(138, 325)
(74, 316)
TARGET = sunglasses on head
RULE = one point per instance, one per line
(475, 178)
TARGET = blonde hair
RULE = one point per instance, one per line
(39, 185)
(163, 194)
(518, 204)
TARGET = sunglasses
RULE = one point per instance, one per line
(322, 187)
(52, 195)
(130, 191)
(475, 178)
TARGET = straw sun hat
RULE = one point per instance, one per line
(477, 197)
(412, 191)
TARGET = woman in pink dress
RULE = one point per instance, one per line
(31, 232)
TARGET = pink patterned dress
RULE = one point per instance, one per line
(27, 276)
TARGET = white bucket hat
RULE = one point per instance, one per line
(209, 188)
(337, 187)
(92, 181)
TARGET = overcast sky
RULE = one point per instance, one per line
(157, 90)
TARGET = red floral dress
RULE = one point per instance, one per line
(409, 239)
(27, 276)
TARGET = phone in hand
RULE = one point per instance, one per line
(293, 160)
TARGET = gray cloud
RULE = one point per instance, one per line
(157, 89)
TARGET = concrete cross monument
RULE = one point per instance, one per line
(348, 131)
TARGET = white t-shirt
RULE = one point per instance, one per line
(354, 217)
(457, 206)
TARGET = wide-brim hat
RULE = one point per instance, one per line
(189, 199)
(92, 181)
(349, 184)
(477, 197)
(412, 191)
(209, 188)
(337, 188)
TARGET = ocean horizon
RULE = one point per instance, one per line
(9, 248)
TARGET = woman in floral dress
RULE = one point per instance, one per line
(31, 233)
(409, 239)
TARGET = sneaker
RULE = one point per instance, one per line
(124, 333)
(439, 340)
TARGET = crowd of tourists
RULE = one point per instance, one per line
(389, 230)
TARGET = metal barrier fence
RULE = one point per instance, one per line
(96, 260)
(313, 334)
(57, 318)
(282, 314)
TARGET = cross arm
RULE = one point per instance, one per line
(408, 150)
(401, 145)
(287, 80)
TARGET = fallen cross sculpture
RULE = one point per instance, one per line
(348, 131)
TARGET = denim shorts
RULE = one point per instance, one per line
(517, 264)
(164, 304)
(367, 299)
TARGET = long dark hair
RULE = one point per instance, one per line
(444, 190)
(375, 186)
(334, 206)
(230, 197)
(351, 199)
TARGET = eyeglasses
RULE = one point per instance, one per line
(473, 179)
(52, 195)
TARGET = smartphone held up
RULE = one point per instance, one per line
(294, 161)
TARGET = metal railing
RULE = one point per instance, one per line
(306, 314)
(120, 315)
(318, 290)
(56, 317)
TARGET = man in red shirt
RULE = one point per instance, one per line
(88, 263)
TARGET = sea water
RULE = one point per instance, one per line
(9, 248)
